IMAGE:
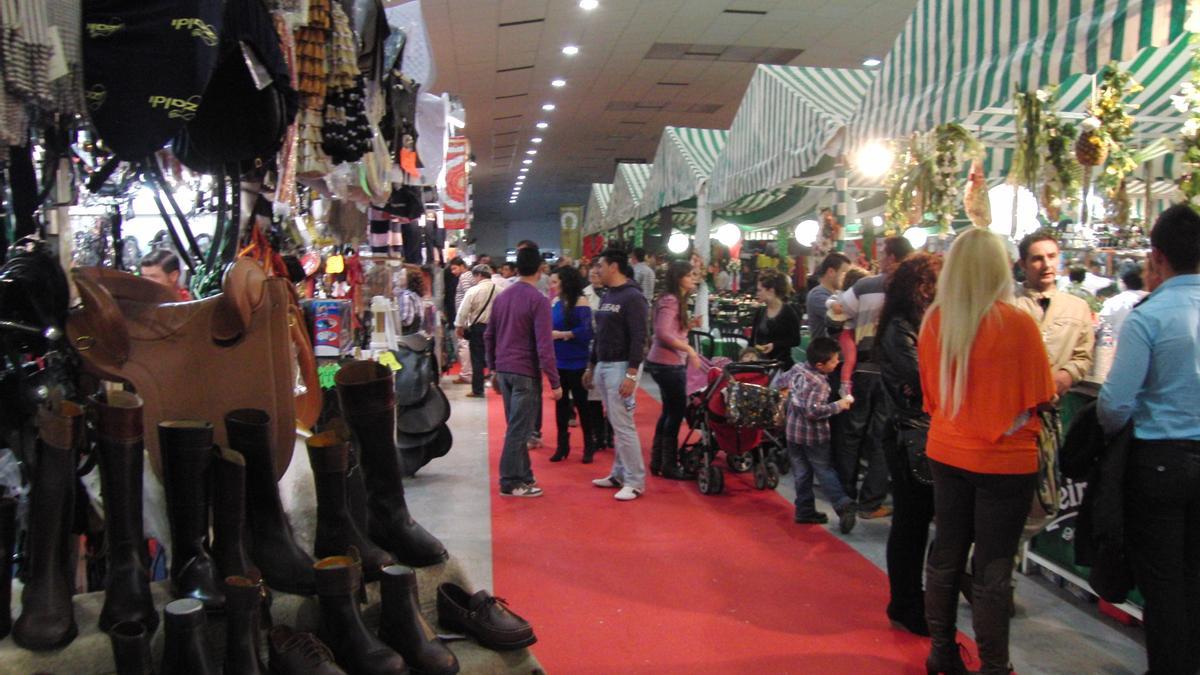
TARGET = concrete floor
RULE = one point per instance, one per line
(1054, 631)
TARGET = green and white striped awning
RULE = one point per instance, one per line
(628, 188)
(786, 121)
(597, 205)
(956, 58)
(685, 156)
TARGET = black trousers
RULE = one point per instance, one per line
(478, 356)
(1163, 533)
(989, 509)
(858, 440)
(672, 384)
(909, 535)
(574, 396)
(602, 432)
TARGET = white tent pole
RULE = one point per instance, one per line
(703, 246)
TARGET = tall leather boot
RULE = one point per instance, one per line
(187, 452)
(131, 648)
(273, 548)
(119, 441)
(243, 602)
(941, 612)
(671, 468)
(403, 628)
(336, 530)
(229, 516)
(990, 614)
(8, 538)
(186, 650)
(342, 627)
(47, 615)
(369, 406)
(356, 488)
(656, 456)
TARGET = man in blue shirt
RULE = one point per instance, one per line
(1155, 384)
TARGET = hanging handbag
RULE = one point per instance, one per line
(1049, 476)
(912, 441)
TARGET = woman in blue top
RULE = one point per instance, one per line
(572, 339)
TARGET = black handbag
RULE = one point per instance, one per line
(912, 441)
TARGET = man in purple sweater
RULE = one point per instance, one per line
(617, 351)
(519, 349)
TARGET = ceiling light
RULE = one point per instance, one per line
(542, 125)
(678, 243)
(527, 161)
(531, 152)
(728, 234)
(917, 236)
(874, 159)
(807, 231)
(525, 170)
(570, 50)
(558, 82)
(548, 107)
(536, 139)
(589, 5)
(871, 62)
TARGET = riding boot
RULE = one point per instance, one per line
(8, 536)
(185, 649)
(990, 613)
(404, 628)
(131, 648)
(243, 602)
(341, 624)
(229, 516)
(336, 530)
(941, 612)
(656, 455)
(671, 468)
(356, 489)
(368, 402)
(47, 614)
(119, 441)
(273, 548)
(187, 452)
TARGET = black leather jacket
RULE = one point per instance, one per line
(896, 353)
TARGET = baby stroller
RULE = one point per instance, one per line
(735, 414)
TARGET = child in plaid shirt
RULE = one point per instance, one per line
(808, 413)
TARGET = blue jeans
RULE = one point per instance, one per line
(522, 399)
(815, 459)
(628, 466)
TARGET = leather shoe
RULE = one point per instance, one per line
(295, 653)
(815, 519)
(484, 617)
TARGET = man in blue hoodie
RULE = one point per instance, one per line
(617, 350)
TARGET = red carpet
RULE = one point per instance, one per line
(676, 582)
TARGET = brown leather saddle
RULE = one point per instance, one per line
(200, 359)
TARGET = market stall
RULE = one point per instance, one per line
(599, 198)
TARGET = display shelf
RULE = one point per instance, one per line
(1032, 558)
(91, 652)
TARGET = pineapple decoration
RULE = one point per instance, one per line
(1106, 136)
(1091, 148)
(975, 196)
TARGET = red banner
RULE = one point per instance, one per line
(458, 178)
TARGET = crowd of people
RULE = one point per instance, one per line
(924, 394)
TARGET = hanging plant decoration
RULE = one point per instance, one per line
(1027, 160)
(1187, 101)
(924, 186)
(1110, 128)
(1062, 174)
(899, 191)
(954, 145)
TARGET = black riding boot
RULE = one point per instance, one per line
(229, 548)
(131, 648)
(342, 627)
(941, 612)
(8, 536)
(336, 530)
(243, 604)
(187, 453)
(404, 629)
(186, 650)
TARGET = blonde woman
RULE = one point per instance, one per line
(984, 372)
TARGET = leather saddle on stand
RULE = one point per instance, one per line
(200, 359)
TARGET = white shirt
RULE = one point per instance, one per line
(1118, 307)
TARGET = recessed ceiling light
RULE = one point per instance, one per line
(871, 62)
(542, 125)
(525, 169)
(558, 82)
(531, 152)
(548, 107)
(527, 161)
(570, 50)
(589, 5)
(536, 139)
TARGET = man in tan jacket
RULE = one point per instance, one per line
(1065, 320)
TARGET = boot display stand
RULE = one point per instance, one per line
(91, 652)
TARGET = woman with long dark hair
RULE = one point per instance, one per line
(572, 318)
(777, 326)
(910, 291)
(667, 363)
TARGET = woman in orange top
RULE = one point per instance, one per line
(984, 371)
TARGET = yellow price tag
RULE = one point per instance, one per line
(389, 359)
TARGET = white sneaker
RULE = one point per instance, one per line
(606, 482)
(627, 494)
(524, 490)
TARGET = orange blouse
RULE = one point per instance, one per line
(1009, 374)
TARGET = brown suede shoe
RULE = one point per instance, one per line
(483, 617)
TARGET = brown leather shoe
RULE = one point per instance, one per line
(881, 512)
(484, 617)
(295, 653)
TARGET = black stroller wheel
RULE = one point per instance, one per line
(703, 481)
(760, 477)
(739, 463)
(718, 478)
(772, 472)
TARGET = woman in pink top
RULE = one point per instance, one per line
(667, 363)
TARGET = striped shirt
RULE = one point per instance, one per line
(808, 406)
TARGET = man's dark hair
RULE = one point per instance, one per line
(1033, 238)
(820, 350)
(161, 257)
(1176, 235)
(1133, 280)
(526, 243)
(831, 262)
(897, 247)
(618, 257)
(529, 261)
(510, 265)
(457, 260)
(1077, 275)
(638, 254)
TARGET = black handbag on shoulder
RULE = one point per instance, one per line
(912, 441)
